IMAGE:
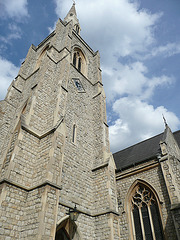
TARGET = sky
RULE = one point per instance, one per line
(139, 45)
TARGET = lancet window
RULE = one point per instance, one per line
(74, 133)
(79, 61)
(145, 216)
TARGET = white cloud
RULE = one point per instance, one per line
(8, 71)
(131, 80)
(16, 9)
(13, 33)
(137, 121)
(110, 28)
(167, 50)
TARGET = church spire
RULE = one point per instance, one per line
(72, 16)
(72, 10)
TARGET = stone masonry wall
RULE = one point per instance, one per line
(41, 157)
(12, 202)
(155, 179)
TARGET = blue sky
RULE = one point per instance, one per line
(139, 44)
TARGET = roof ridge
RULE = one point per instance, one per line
(139, 142)
(176, 131)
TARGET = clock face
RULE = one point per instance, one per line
(78, 84)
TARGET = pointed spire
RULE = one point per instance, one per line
(165, 122)
(72, 16)
(72, 11)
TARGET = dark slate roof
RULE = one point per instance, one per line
(140, 152)
(177, 137)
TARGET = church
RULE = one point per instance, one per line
(58, 178)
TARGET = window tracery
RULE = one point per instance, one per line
(145, 214)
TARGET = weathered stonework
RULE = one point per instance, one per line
(55, 151)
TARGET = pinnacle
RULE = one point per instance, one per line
(72, 11)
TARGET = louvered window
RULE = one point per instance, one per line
(145, 215)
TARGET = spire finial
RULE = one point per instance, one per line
(165, 122)
(74, 2)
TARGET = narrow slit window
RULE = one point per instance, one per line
(74, 133)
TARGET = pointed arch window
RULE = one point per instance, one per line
(79, 61)
(145, 215)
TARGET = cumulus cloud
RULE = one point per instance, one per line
(131, 80)
(137, 121)
(13, 9)
(110, 28)
(8, 71)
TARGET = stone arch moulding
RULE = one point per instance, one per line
(130, 209)
(69, 227)
(41, 55)
(79, 59)
(140, 181)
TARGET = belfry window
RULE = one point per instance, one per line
(145, 216)
(79, 61)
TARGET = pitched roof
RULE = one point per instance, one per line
(140, 152)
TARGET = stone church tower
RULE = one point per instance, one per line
(55, 157)
(54, 144)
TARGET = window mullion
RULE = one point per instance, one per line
(142, 224)
(151, 221)
(133, 226)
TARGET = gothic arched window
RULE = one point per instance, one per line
(145, 216)
(79, 61)
(77, 29)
